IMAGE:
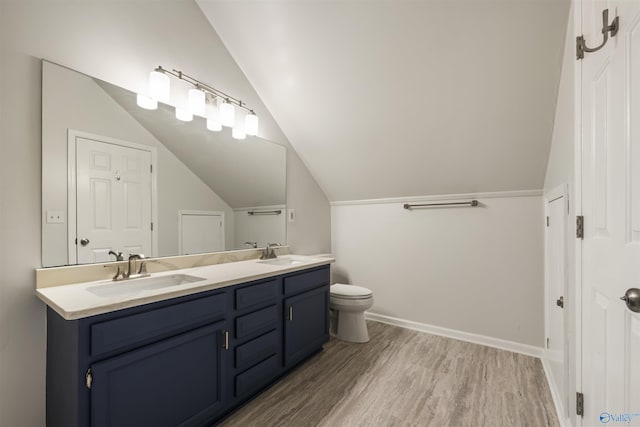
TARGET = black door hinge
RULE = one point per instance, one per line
(547, 221)
(580, 404)
(580, 227)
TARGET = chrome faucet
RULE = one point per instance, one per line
(142, 272)
(254, 245)
(268, 252)
(120, 275)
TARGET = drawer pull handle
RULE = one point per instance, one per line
(290, 312)
(226, 340)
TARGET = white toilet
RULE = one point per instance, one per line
(348, 304)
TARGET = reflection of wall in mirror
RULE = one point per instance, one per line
(261, 229)
(74, 101)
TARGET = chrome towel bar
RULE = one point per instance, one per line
(275, 212)
(471, 203)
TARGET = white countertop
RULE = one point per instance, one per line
(78, 300)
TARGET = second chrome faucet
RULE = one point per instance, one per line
(131, 272)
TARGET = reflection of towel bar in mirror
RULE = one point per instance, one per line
(274, 212)
(471, 203)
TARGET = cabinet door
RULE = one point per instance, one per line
(306, 326)
(178, 381)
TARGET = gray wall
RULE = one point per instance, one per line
(119, 42)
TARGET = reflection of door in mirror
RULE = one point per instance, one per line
(113, 199)
(200, 232)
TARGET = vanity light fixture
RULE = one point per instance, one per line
(227, 114)
(160, 85)
(199, 103)
(146, 102)
(251, 123)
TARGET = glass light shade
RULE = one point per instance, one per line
(238, 133)
(227, 114)
(197, 102)
(160, 86)
(146, 102)
(214, 125)
(184, 115)
(251, 124)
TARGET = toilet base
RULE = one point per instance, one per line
(349, 326)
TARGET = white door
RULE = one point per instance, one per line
(200, 232)
(556, 259)
(611, 209)
(113, 199)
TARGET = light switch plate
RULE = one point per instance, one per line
(55, 217)
(291, 215)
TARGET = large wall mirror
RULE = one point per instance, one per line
(116, 177)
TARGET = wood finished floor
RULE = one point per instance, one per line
(406, 378)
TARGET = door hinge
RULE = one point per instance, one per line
(547, 342)
(580, 227)
(152, 226)
(151, 168)
(76, 241)
(88, 378)
(580, 404)
(547, 221)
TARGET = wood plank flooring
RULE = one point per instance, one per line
(406, 378)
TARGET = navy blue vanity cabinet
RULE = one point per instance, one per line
(187, 361)
(306, 313)
(159, 364)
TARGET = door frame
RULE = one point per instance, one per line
(185, 212)
(560, 192)
(72, 136)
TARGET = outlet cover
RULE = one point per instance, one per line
(55, 217)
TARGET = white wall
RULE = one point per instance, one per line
(119, 42)
(560, 170)
(72, 100)
(262, 229)
(477, 270)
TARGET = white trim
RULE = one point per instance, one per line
(501, 344)
(410, 199)
(182, 213)
(555, 396)
(72, 135)
(269, 207)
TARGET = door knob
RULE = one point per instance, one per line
(84, 242)
(632, 298)
(560, 302)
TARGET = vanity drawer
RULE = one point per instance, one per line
(257, 377)
(262, 293)
(302, 282)
(256, 322)
(256, 350)
(144, 327)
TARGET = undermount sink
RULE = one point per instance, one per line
(133, 286)
(282, 261)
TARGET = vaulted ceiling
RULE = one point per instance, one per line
(394, 98)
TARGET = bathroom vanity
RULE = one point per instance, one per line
(189, 357)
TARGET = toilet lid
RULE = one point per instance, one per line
(349, 291)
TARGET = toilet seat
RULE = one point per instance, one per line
(342, 291)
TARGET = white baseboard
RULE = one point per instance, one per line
(515, 347)
(564, 422)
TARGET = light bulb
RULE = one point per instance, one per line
(251, 124)
(184, 115)
(214, 125)
(227, 114)
(197, 102)
(160, 86)
(146, 102)
(238, 133)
